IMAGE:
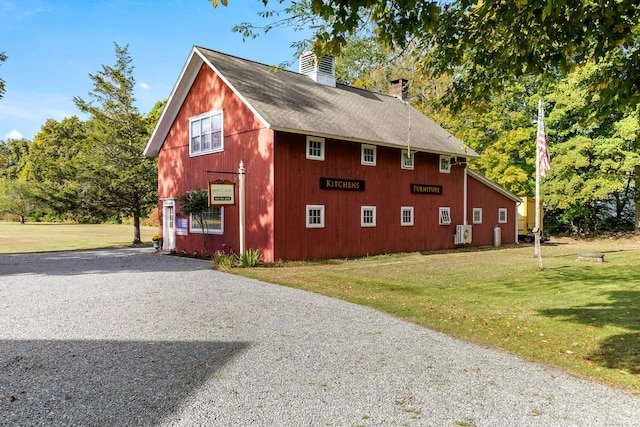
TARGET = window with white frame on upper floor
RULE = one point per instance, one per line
(406, 160)
(502, 215)
(315, 148)
(211, 222)
(445, 216)
(445, 164)
(406, 215)
(368, 155)
(315, 216)
(205, 133)
(368, 216)
(477, 215)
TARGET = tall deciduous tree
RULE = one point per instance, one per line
(18, 197)
(118, 175)
(54, 165)
(13, 157)
(487, 44)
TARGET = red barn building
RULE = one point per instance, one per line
(329, 170)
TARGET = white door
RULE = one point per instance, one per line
(168, 225)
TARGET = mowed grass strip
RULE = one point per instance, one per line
(583, 317)
(47, 237)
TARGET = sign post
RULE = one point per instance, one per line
(241, 206)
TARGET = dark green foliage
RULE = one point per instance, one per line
(118, 177)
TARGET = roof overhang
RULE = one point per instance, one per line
(471, 154)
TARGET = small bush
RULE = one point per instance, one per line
(250, 257)
(222, 260)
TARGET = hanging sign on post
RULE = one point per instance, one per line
(222, 193)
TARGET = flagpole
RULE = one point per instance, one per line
(538, 252)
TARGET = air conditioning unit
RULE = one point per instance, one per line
(463, 235)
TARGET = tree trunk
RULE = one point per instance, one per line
(136, 227)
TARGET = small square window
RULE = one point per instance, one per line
(315, 148)
(477, 215)
(368, 215)
(407, 160)
(315, 216)
(445, 164)
(368, 156)
(502, 215)
(406, 215)
(445, 216)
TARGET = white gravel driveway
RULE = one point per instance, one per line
(127, 337)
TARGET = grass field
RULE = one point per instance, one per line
(45, 237)
(583, 317)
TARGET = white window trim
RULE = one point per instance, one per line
(403, 157)
(502, 216)
(364, 209)
(448, 163)
(444, 216)
(479, 212)
(404, 209)
(322, 145)
(200, 117)
(194, 226)
(375, 154)
(314, 207)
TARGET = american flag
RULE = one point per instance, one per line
(544, 163)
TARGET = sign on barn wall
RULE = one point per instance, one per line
(341, 184)
(426, 189)
(222, 192)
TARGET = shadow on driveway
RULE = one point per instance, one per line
(112, 383)
(96, 262)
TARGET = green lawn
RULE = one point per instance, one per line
(45, 237)
(583, 317)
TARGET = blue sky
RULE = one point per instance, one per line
(53, 46)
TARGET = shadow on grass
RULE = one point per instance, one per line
(622, 309)
(114, 383)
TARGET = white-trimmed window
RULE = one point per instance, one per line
(368, 216)
(406, 161)
(445, 216)
(315, 216)
(368, 155)
(205, 133)
(477, 215)
(212, 222)
(315, 148)
(406, 215)
(502, 215)
(445, 164)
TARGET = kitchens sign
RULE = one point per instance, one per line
(341, 184)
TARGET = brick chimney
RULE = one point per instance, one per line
(399, 88)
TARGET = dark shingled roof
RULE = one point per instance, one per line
(292, 102)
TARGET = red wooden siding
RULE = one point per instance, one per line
(245, 139)
(481, 196)
(387, 187)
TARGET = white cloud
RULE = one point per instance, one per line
(28, 112)
(144, 86)
(14, 134)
